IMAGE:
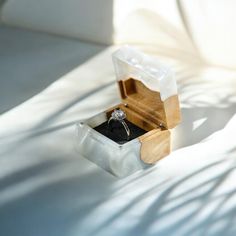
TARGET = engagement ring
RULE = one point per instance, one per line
(119, 115)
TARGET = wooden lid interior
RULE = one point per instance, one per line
(148, 103)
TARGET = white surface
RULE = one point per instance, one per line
(204, 28)
(48, 189)
(103, 21)
(30, 61)
(211, 25)
(87, 20)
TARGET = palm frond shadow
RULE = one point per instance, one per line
(45, 127)
(78, 196)
(167, 208)
(82, 195)
(49, 200)
(203, 200)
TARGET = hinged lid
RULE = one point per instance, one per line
(147, 87)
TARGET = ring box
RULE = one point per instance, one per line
(150, 100)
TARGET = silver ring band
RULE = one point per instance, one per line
(119, 115)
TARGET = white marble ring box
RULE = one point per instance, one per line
(150, 101)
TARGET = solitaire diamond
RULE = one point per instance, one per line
(118, 115)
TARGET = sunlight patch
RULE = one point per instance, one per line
(198, 123)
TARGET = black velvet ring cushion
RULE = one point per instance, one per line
(117, 133)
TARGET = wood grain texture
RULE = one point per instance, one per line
(148, 103)
(154, 145)
(172, 111)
